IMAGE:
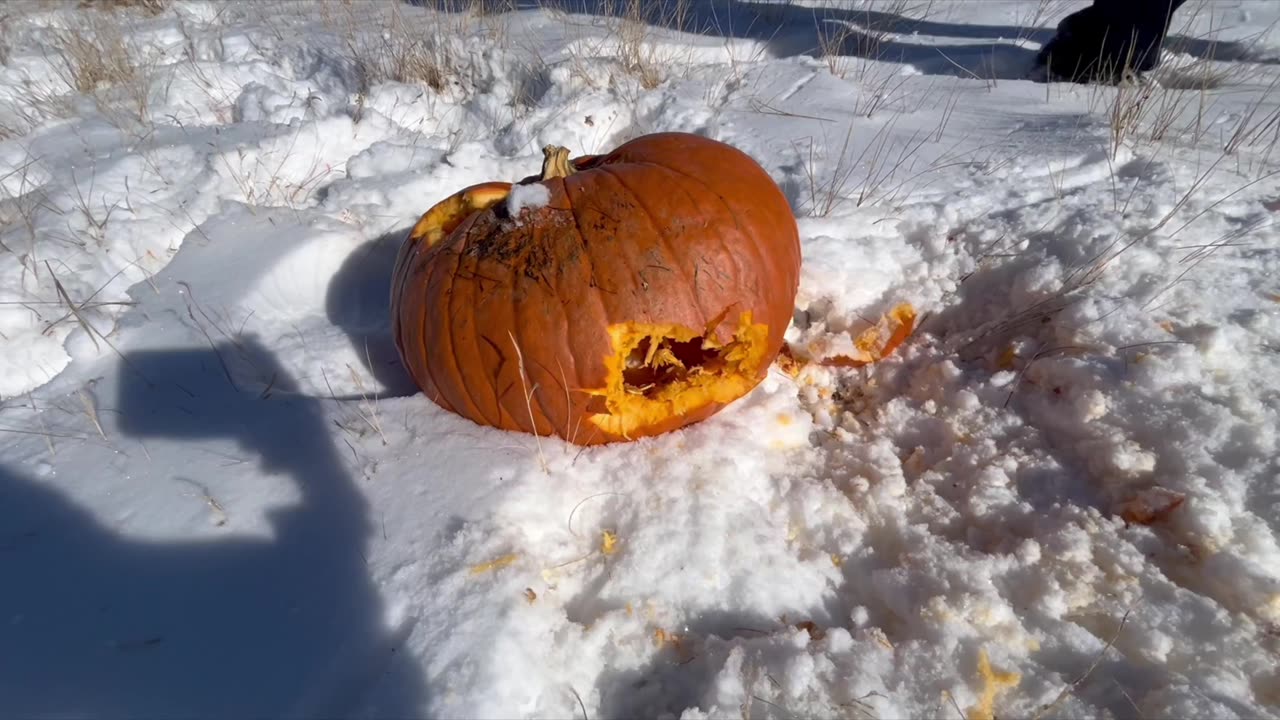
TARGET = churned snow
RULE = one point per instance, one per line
(220, 495)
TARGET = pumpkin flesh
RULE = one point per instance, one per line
(660, 371)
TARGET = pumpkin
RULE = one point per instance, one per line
(649, 288)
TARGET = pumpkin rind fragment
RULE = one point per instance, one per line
(880, 340)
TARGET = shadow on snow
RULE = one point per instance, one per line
(95, 624)
(359, 301)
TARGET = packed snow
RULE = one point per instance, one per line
(532, 196)
(220, 494)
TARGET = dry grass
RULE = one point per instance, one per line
(5, 49)
(398, 48)
(1083, 275)
(883, 170)
(92, 57)
(147, 7)
(635, 52)
(1184, 108)
(1183, 105)
(1259, 124)
(853, 46)
(628, 39)
(528, 399)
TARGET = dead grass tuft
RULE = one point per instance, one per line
(402, 49)
(94, 54)
(92, 57)
(147, 7)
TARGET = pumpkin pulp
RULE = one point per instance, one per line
(660, 371)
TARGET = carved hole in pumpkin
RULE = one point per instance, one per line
(651, 366)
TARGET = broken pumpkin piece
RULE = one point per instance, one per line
(1008, 359)
(495, 564)
(1151, 506)
(608, 542)
(816, 633)
(993, 681)
(662, 638)
(788, 362)
(878, 341)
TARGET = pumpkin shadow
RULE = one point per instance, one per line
(282, 624)
(358, 301)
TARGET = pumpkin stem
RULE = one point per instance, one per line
(555, 163)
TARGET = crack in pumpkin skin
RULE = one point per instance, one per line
(659, 371)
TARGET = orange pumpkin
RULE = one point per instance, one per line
(651, 289)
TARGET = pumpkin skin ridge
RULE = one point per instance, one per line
(465, 399)
(567, 392)
(794, 284)
(480, 342)
(730, 212)
(440, 399)
(754, 245)
(669, 251)
(417, 246)
(606, 314)
(597, 300)
(564, 324)
(441, 396)
(511, 348)
(528, 386)
(535, 413)
(534, 294)
(728, 248)
(428, 270)
(508, 349)
(636, 275)
(583, 243)
(452, 307)
(527, 292)
(622, 282)
(505, 348)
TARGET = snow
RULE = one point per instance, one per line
(532, 196)
(220, 494)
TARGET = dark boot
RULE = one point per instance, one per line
(1108, 40)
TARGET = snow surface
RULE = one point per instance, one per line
(531, 196)
(220, 495)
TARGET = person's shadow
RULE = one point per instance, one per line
(290, 625)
